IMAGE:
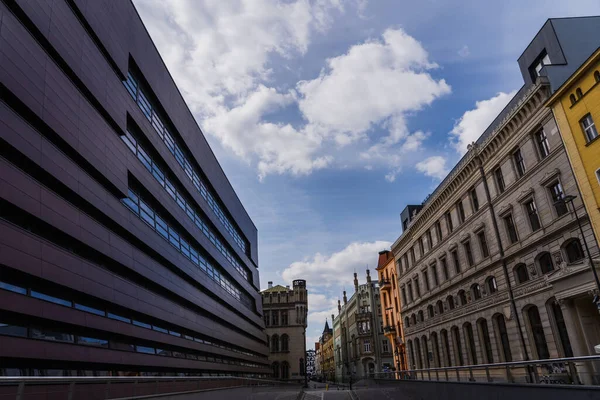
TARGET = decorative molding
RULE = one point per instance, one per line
(504, 210)
(479, 227)
(525, 195)
(549, 177)
(464, 237)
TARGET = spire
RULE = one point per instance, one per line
(326, 329)
(355, 282)
(368, 276)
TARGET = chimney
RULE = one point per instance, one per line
(355, 282)
(345, 298)
(368, 276)
(270, 284)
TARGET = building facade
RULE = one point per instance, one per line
(310, 363)
(124, 250)
(491, 266)
(576, 108)
(327, 362)
(285, 310)
(318, 360)
(361, 348)
(391, 306)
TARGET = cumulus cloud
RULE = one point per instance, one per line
(474, 122)
(433, 166)
(338, 268)
(464, 52)
(221, 53)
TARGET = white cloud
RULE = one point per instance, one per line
(474, 122)
(464, 52)
(433, 166)
(374, 82)
(338, 268)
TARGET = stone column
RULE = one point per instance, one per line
(571, 317)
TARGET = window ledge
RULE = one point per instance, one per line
(592, 141)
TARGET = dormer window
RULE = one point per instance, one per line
(541, 62)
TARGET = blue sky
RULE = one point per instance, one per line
(329, 116)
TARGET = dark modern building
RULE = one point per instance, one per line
(124, 249)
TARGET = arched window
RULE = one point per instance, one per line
(450, 300)
(521, 274)
(472, 351)
(560, 327)
(502, 340)
(421, 318)
(275, 368)
(573, 99)
(446, 348)
(574, 251)
(597, 76)
(491, 285)
(462, 296)
(458, 356)
(435, 348)
(425, 351)
(545, 262)
(484, 340)
(285, 343)
(274, 343)
(413, 319)
(440, 307)
(419, 359)
(579, 93)
(285, 370)
(537, 332)
(411, 353)
(476, 291)
(430, 312)
(406, 322)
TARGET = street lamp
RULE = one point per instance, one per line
(568, 199)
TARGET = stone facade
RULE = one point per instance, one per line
(285, 312)
(492, 231)
(361, 348)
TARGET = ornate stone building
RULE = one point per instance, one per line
(285, 312)
(491, 267)
(327, 362)
(361, 348)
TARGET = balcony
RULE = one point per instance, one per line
(363, 315)
(389, 330)
(385, 284)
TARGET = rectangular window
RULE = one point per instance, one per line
(511, 230)
(404, 296)
(444, 268)
(469, 253)
(499, 180)
(461, 211)
(51, 335)
(429, 239)
(275, 318)
(449, 222)
(426, 280)
(13, 288)
(417, 287)
(436, 282)
(532, 213)
(485, 252)
(410, 293)
(557, 193)
(142, 324)
(438, 231)
(367, 344)
(519, 163)
(12, 330)
(90, 309)
(542, 144)
(118, 318)
(385, 345)
(474, 199)
(52, 299)
(589, 128)
(412, 256)
(88, 341)
(421, 247)
(456, 261)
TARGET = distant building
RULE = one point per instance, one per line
(361, 348)
(285, 313)
(327, 362)
(310, 363)
(318, 358)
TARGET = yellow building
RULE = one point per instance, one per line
(391, 305)
(576, 108)
(327, 355)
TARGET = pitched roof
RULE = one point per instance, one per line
(327, 329)
(276, 288)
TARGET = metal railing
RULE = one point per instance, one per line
(561, 371)
(125, 387)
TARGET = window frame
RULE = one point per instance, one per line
(511, 234)
(591, 127)
(542, 144)
(519, 162)
(483, 245)
(530, 211)
(499, 180)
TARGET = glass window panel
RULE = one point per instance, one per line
(132, 205)
(162, 352)
(144, 349)
(119, 318)
(89, 341)
(142, 324)
(159, 329)
(52, 336)
(13, 288)
(90, 309)
(12, 330)
(52, 299)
